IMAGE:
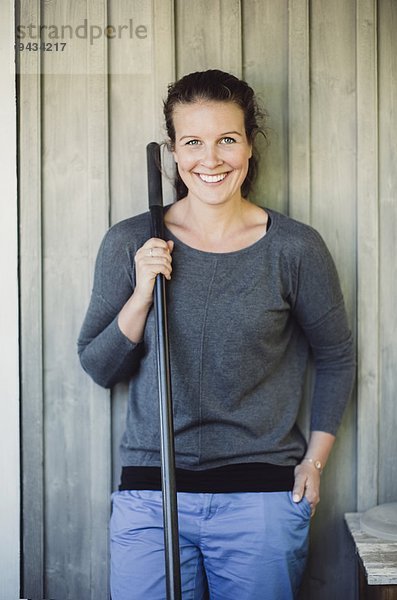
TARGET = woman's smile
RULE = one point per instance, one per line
(211, 179)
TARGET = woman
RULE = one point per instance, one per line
(251, 292)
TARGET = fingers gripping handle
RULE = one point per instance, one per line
(154, 174)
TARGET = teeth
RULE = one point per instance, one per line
(212, 178)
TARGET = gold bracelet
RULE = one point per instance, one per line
(317, 464)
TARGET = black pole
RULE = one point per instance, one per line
(170, 508)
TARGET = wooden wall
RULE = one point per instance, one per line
(9, 351)
(326, 72)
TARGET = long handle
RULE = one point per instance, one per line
(170, 508)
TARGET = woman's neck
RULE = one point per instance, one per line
(216, 228)
(213, 222)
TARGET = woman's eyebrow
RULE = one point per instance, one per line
(220, 135)
(230, 132)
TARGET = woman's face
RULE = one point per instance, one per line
(211, 150)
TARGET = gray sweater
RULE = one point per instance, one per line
(242, 326)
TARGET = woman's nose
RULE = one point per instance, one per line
(211, 158)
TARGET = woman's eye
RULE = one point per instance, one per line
(228, 140)
(192, 143)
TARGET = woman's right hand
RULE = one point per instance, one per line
(153, 258)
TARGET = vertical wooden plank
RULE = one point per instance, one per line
(164, 73)
(214, 40)
(9, 364)
(131, 128)
(131, 110)
(388, 248)
(29, 104)
(334, 132)
(99, 417)
(333, 213)
(163, 58)
(75, 216)
(299, 193)
(299, 199)
(367, 257)
(265, 67)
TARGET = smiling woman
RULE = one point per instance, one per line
(252, 293)
(206, 154)
(212, 154)
(212, 121)
(215, 86)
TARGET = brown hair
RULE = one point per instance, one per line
(216, 86)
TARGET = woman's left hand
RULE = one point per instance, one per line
(307, 483)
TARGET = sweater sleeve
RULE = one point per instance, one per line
(105, 353)
(319, 307)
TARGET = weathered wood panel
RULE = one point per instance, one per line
(265, 67)
(368, 399)
(333, 206)
(388, 249)
(9, 363)
(131, 111)
(299, 193)
(164, 64)
(31, 314)
(75, 214)
(208, 36)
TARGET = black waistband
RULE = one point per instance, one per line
(247, 477)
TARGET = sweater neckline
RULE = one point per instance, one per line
(262, 240)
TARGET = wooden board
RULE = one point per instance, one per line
(299, 193)
(368, 399)
(31, 313)
(75, 216)
(9, 314)
(265, 67)
(388, 249)
(333, 210)
(214, 42)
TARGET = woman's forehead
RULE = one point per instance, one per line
(208, 114)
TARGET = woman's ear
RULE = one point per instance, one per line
(171, 148)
